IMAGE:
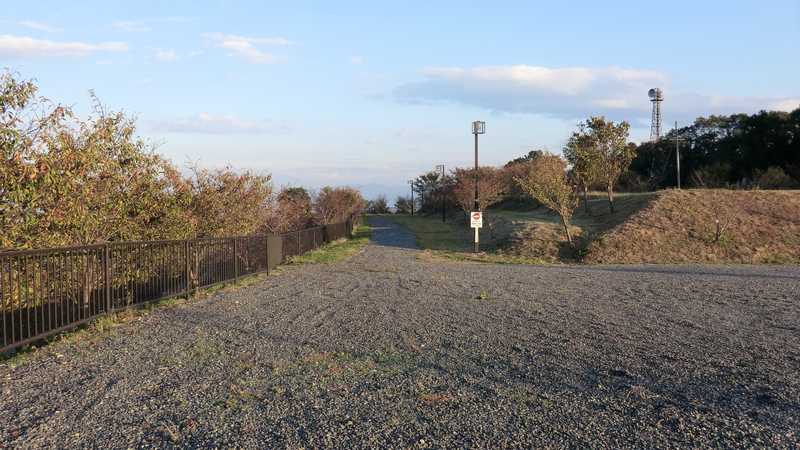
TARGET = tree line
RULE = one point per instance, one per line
(71, 181)
(738, 151)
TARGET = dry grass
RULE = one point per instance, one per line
(756, 227)
(538, 234)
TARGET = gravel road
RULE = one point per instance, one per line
(394, 349)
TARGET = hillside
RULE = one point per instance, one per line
(681, 227)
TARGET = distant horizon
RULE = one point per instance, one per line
(370, 95)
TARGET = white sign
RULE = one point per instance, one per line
(476, 219)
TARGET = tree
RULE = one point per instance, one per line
(335, 205)
(530, 156)
(426, 185)
(378, 206)
(290, 211)
(402, 205)
(65, 181)
(581, 155)
(601, 151)
(492, 185)
(721, 151)
(547, 182)
(227, 203)
(518, 167)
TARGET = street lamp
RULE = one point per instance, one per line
(441, 192)
(411, 183)
(478, 127)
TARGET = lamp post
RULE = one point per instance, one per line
(678, 140)
(478, 127)
(411, 183)
(441, 192)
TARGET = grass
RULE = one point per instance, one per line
(432, 234)
(664, 227)
(522, 236)
(337, 250)
(758, 227)
(454, 241)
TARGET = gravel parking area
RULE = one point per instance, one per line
(394, 349)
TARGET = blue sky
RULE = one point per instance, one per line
(370, 94)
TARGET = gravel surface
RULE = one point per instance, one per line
(393, 349)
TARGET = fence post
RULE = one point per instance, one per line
(299, 248)
(235, 262)
(266, 248)
(107, 277)
(188, 274)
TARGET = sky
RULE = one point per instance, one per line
(370, 94)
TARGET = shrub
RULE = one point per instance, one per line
(774, 178)
(334, 205)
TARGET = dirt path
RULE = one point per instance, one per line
(390, 349)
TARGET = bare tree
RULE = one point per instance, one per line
(547, 182)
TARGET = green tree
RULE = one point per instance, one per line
(601, 151)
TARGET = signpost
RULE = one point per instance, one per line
(476, 222)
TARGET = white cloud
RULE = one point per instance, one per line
(216, 124)
(131, 26)
(39, 26)
(21, 46)
(357, 60)
(789, 104)
(572, 92)
(246, 47)
(165, 55)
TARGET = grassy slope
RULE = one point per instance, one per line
(661, 227)
(537, 234)
(680, 227)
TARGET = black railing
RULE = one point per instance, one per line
(47, 291)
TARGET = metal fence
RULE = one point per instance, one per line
(47, 291)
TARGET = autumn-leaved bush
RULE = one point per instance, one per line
(492, 185)
(338, 204)
(65, 181)
(71, 181)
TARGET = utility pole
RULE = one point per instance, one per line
(678, 139)
(441, 192)
(411, 183)
(478, 127)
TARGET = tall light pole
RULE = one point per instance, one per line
(441, 192)
(478, 127)
(678, 140)
(411, 183)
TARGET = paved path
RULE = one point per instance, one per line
(392, 349)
